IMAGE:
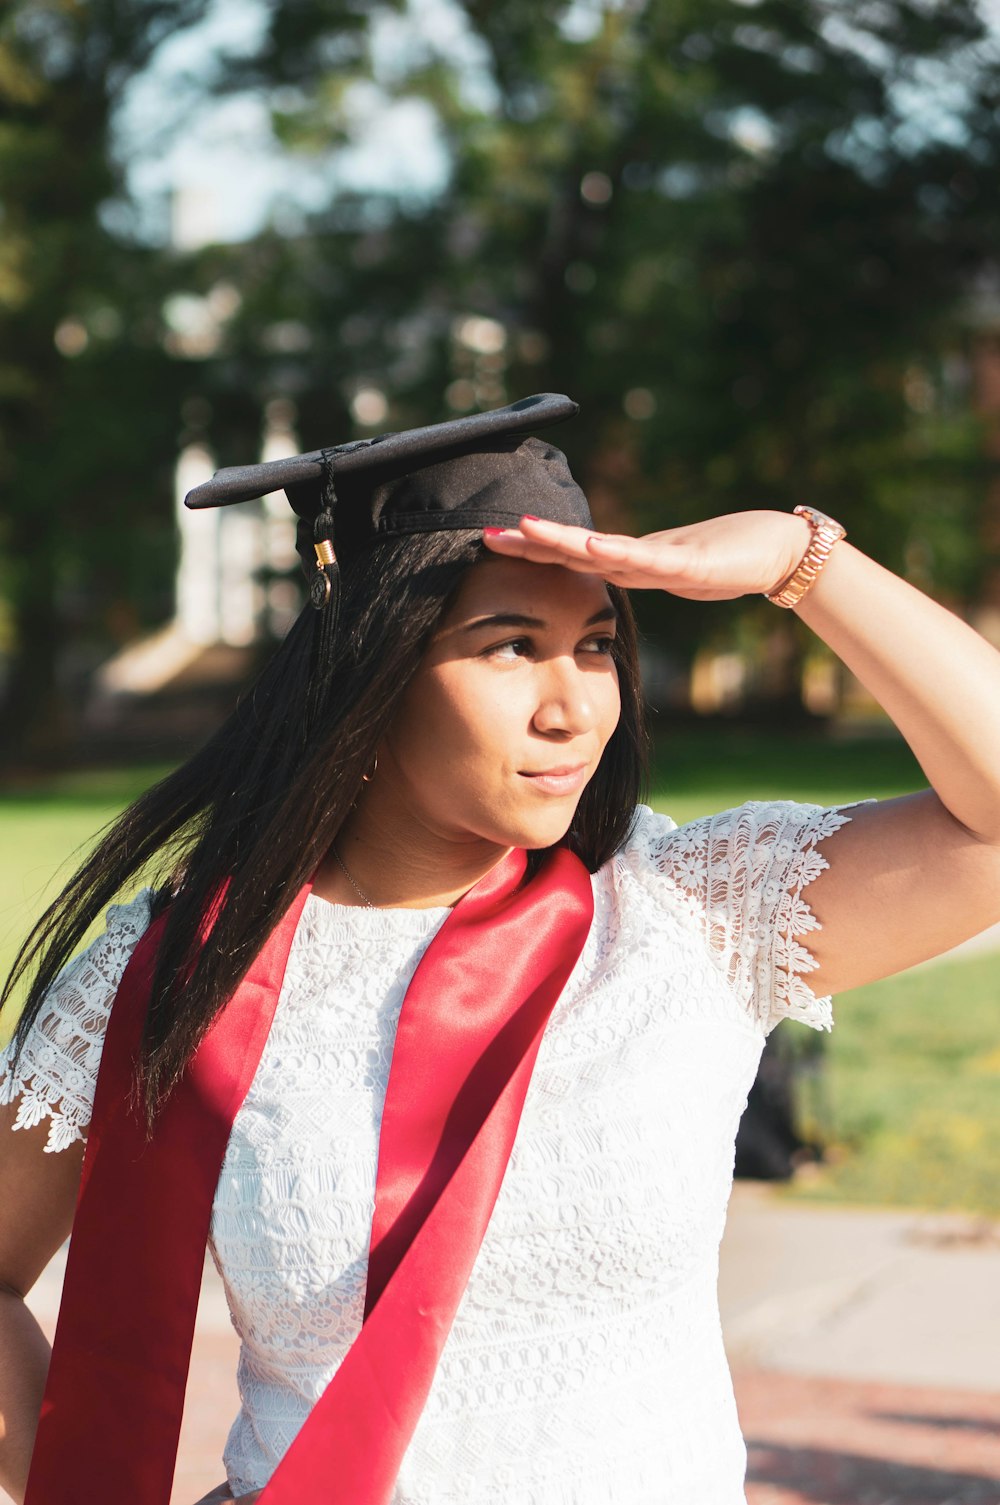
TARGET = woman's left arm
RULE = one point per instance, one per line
(910, 877)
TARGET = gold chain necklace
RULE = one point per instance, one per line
(352, 880)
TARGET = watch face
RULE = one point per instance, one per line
(821, 520)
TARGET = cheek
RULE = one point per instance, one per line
(462, 724)
(606, 704)
(611, 701)
(481, 721)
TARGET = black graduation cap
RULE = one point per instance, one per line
(485, 470)
(474, 472)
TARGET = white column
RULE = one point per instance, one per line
(197, 612)
(240, 591)
(280, 441)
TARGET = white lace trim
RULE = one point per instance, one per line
(743, 873)
(57, 1070)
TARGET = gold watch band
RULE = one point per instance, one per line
(825, 533)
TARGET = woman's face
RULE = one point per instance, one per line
(508, 715)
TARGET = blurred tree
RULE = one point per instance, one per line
(739, 232)
(88, 398)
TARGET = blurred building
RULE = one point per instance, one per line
(235, 592)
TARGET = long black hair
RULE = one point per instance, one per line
(251, 815)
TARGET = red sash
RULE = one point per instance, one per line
(466, 1043)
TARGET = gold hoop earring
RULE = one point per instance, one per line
(366, 778)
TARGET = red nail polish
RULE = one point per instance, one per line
(492, 532)
(526, 517)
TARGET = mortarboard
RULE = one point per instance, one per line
(484, 470)
(475, 472)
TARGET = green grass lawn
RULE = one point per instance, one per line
(696, 772)
(910, 1087)
(43, 832)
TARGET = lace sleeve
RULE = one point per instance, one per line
(743, 873)
(56, 1072)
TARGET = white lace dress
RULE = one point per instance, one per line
(585, 1365)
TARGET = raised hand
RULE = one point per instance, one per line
(744, 553)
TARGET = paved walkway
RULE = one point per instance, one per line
(865, 1346)
(866, 1353)
(872, 1294)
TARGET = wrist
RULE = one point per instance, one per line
(823, 534)
(796, 536)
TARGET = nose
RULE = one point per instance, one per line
(566, 705)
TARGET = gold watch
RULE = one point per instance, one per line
(825, 533)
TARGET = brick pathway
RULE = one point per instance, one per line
(837, 1442)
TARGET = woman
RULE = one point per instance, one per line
(475, 699)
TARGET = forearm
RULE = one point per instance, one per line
(24, 1362)
(937, 679)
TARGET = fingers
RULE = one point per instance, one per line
(616, 557)
(541, 542)
(544, 542)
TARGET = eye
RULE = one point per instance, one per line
(514, 648)
(601, 646)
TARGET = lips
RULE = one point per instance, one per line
(567, 778)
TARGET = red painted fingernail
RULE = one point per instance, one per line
(492, 532)
(526, 517)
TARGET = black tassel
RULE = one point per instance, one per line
(324, 593)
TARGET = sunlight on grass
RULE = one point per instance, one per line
(911, 1083)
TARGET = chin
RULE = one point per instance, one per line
(535, 835)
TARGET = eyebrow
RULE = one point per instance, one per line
(518, 619)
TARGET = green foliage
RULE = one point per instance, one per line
(721, 210)
(87, 396)
(721, 226)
